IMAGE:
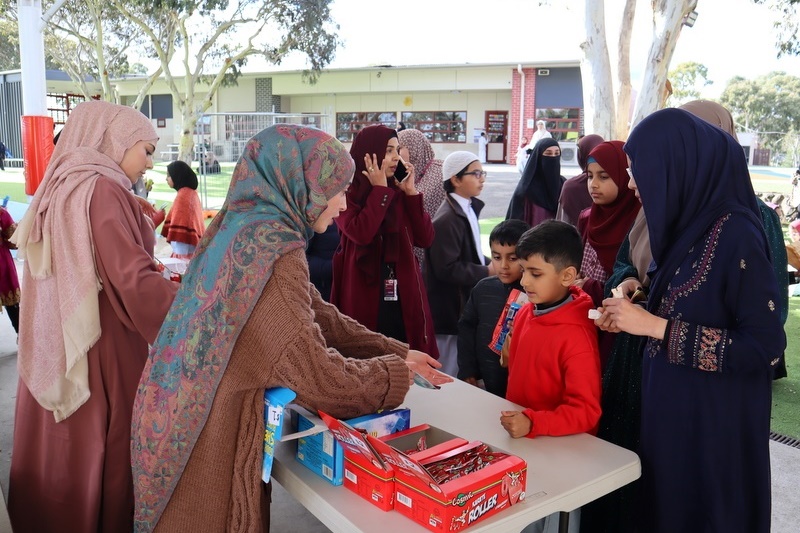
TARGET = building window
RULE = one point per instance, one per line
(203, 126)
(563, 123)
(348, 124)
(438, 126)
(157, 106)
(59, 106)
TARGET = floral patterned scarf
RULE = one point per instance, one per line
(280, 186)
(420, 151)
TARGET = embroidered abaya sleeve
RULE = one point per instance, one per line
(723, 304)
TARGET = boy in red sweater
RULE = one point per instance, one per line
(553, 360)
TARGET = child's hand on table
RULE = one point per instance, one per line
(515, 423)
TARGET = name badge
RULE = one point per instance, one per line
(390, 290)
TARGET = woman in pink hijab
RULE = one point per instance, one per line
(93, 302)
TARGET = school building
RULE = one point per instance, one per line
(453, 104)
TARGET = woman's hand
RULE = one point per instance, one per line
(434, 376)
(374, 173)
(408, 185)
(620, 314)
(629, 286)
(159, 217)
(422, 358)
(426, 366)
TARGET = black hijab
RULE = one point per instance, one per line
(540, 183)
(182, 175)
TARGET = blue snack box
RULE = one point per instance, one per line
(321, 454)
(275, 400)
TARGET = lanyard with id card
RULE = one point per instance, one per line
(390, 286)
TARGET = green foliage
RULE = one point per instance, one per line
(787, 27)
(9, 39)
(308, 29)
(769, 104)
(90, 39)
(180, 6)
(9, 45)
(687, 79)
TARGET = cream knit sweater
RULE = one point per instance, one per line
(293, 339)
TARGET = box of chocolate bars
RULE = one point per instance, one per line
(440, 481)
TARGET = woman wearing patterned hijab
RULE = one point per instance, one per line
(247, 318)
(93, 301)
(416, 149)
(712, 327)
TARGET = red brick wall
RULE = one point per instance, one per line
(529, 109)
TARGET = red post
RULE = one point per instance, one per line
(37, 147)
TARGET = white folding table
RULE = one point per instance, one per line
(564, 473)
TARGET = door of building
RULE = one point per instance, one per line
(496, 130)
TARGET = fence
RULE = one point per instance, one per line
(224, 136)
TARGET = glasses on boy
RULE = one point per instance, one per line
(477, 173)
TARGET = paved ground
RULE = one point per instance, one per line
(289, 516)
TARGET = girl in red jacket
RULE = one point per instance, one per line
(376, 277)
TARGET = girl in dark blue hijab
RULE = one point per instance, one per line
(712, 327)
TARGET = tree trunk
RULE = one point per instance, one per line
(188, 124)
(624, 71)
(667, 20)
(598, 91)
(145, 89)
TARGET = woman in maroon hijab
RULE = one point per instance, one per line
(574, 194)
(605, 224)
(376, 277)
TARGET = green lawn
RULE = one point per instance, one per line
(216, 185)
(786, 391)
(12, 184)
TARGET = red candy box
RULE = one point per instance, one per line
(441, 481)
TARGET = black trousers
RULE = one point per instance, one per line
(13, 315)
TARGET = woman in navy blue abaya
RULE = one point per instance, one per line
(712, 328)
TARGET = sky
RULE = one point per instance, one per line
(730, 37)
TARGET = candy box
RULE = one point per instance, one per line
(457, 504)
(366, 472)
(322, 454)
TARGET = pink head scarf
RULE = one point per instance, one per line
(59, 316)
